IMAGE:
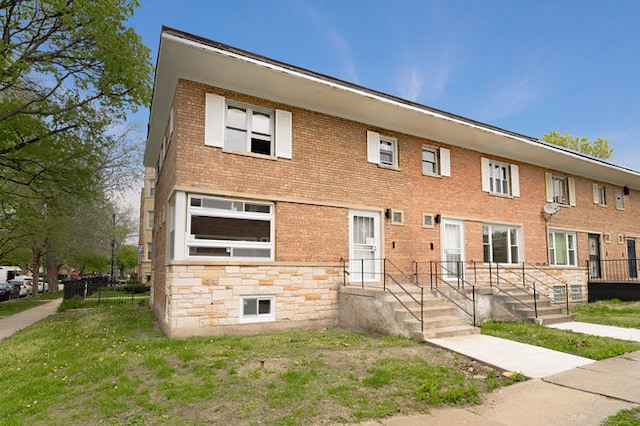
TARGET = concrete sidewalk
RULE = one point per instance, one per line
(24, 319)
(565, 390)
(532, 361)
(600, 330)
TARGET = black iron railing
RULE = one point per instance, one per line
(618, 270)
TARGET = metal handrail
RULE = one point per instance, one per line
(615, 270)
(524, 275)
(385, 287)
(461, 282)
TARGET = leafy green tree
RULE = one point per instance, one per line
(127, 258)
(68, 72)
(598, 148)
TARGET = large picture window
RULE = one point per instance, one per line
(226, 228)
(501, 243)
(562, 248)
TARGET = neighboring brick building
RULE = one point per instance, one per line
(147, 214)
(269, 176)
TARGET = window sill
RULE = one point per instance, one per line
(434, 175)
(249, 154)
(386, 167)
(498, 194)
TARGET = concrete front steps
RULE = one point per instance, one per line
(441, 317)
(522, 305)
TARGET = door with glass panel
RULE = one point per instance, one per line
(594, 255)
(364, 232)
(452, 249)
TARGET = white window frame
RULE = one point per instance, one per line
(233, 212)
(258, 317)
(510, 244)
(569, 198)
(390, 147)
(149, 252)
(441, 163)
(571, 249)
(249, 128)
(599, 195)
(619, 200)
(215, 127)
(375, 143)
(152, 187)
(489, 178)
(150, 218)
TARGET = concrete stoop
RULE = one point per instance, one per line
(523, 308)
(441, 318)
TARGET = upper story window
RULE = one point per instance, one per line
(599, 197)
(500, 178)
(560, 189)
(435, 161)
(382, 150)
(150, 219)
(388, 151)
(247, 128)
(619, 200)
(152, 187)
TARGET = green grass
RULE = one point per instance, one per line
(610, 312)
(15, 306)
(593, 347)
(110, 364)
(624, 418)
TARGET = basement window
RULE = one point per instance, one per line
(257, 308)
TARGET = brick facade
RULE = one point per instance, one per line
(313, 193)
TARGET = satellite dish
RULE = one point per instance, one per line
(551, 208)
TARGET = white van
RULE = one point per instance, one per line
(9, 272)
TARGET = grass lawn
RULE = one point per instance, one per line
(110, 364)
(14, 306)
(584, 345)
(610, 312)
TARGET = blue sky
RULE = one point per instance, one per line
(525, 66)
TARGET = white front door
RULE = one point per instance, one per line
(364, 246)
(452, 232)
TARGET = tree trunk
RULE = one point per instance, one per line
(52, 271)
(37, 257)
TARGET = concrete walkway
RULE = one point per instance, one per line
(565, 389)
(14, 323)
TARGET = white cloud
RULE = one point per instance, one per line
(338, 45)
(512, 96)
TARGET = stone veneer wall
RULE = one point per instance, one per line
(205, 299)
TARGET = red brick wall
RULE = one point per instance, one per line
(329, 174)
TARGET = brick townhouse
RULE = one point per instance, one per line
(277, 186)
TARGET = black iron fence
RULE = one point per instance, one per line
(619, 270)
(99, 289)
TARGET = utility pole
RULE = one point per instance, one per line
(113, 250)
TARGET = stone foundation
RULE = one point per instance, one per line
(205, 300)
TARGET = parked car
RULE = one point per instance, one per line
(24, 286)
(8, 291)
